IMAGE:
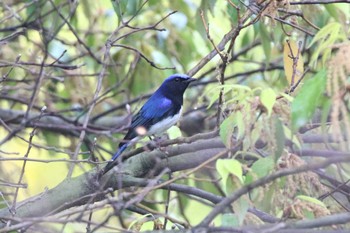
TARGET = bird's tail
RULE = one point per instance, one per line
(113, 161)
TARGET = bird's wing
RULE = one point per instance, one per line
(154, 110)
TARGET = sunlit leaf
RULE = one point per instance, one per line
(160, 58)
(174, 132)
(326, 33)
(290, 136)
(268, 99)
(312, 200)
(326, 37)
(290, 54)
(134, 224)
(239, 91)
(226, 167)
(287, 97)
(326, 55)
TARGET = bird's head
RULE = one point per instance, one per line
(176, 84)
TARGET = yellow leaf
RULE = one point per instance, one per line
(290, 53)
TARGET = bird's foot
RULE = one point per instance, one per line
(155, 143)
(151, 145)
(159, 140)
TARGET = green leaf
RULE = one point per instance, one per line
(139, 219)
(246, 39)
(236, 219)
(53, 140)
(280, 139)
(287, 97)
(305, 103)
(332, 10)
(326, 55)
(312, 200)
(220, 167)
(226, 167)
(266, 41)
(239, 91)
(160, 58)
(263, 166)
(133, 6)
(308, 214)
(226, 130)
(326, 33)
(232, 12)
(174, 132)
(266, 203)
(33, 10)
(119, 7)
(290, 136)
(208, 5)
(239, 122)
(326, 37)
(268, 99)
(229, 220)
(228, 125)
(87, 8)
(241, 208)
(213, 98)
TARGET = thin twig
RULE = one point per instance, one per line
(32, 134)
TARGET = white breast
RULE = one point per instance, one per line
(164, 125)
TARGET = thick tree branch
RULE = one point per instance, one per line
(78, 190)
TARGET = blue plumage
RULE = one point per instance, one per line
(161, 111)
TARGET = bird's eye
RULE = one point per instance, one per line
(177, 79)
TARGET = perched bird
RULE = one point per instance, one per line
(161, 111)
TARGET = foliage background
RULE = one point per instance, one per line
(73, 72)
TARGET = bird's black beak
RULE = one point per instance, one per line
(191, 80)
